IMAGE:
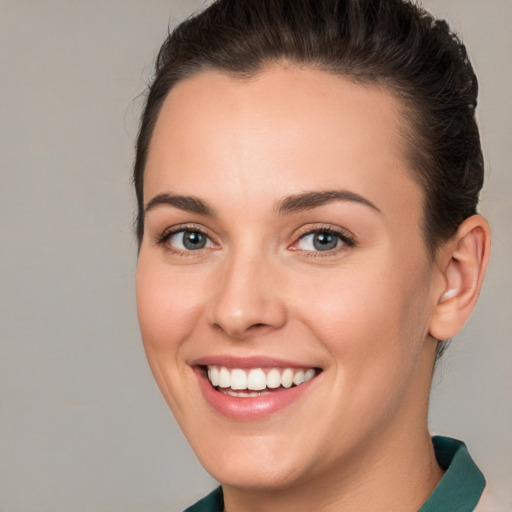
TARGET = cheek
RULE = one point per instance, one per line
(168, 309)
(373, 325)
(365, 314)
(168, 304)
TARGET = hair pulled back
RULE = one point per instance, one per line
(393, 44)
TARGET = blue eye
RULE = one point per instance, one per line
(321, 240)
(189, 240)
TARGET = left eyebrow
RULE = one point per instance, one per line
(310, 200)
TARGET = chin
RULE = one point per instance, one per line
(253, 463)
(256, 475)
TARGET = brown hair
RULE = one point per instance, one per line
(389, 43)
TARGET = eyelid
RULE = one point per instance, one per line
(163, 238)
(346, 237)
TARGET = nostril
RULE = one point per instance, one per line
(257, 327)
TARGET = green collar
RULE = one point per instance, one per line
(214, 502)
(458, 491)
(462, 484)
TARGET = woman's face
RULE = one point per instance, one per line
(283, 243)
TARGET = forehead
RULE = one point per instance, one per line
(281, 129)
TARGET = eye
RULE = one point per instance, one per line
(322, 240)
(188, 240)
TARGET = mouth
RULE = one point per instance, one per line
(256, 382)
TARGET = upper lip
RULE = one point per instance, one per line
(249, 362)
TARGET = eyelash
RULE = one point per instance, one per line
(346, 240)
(164, 238)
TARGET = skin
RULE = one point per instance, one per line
(363, 312)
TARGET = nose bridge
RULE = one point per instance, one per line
(247, 297)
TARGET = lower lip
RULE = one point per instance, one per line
(250, 408)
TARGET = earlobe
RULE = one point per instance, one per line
(462, 262)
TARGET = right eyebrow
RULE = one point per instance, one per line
(187, 203)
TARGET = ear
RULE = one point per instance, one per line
(462, 262)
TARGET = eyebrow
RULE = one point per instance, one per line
(310, 200)
(187, 203)
(290, 204)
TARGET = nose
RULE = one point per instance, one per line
(247, 299)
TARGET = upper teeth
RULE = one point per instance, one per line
(257, 379)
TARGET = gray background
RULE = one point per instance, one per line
(82, 425)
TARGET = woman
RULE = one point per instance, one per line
(307, 176)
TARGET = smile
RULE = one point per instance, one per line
(255, 382)
(254, 388)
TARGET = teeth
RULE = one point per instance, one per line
(243, 394)
(273, 378)
(213, 375)
(235, 381)
(238, 380)
(257, 380)
(287, 378)
(298, 378)
(309, 374)
(224, 378)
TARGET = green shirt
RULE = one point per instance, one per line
(458, 491)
